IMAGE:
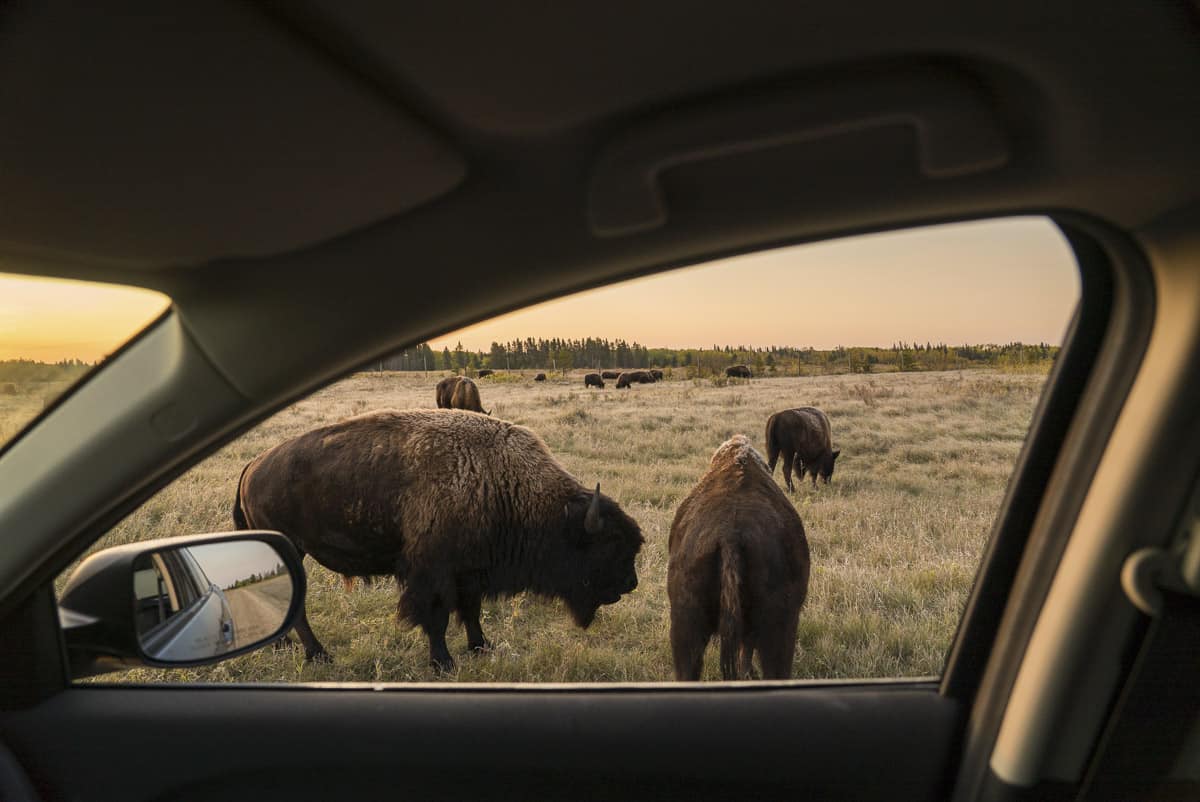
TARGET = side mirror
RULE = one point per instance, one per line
(185, 601)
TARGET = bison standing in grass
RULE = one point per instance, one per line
(657, 374)
(539, 377)
(484, 373)
(593, 380)
(631, 377)
(805, 439)
(610, 374)
(738, 372)
(738, 567)
(458, 507)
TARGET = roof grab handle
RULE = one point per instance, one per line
(957, 134)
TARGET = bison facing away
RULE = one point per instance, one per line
(610, 374)
(458, 507)
(738, 566)
(539, 377)
(631, 377)
(483, 373)
(445, 391)
(738, 372)
(466, 396)
(593, 380)
(805, 439)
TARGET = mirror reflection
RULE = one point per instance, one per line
(197, 602)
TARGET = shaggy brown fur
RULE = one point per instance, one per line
(610, 374)
(466, 396)
(593, 380)
(738, 567)
(657, 374)
(738, 372)
(630, 377)
(445, 391)
(805, 439)
(539, 377)
(457, 506)
(484, 373)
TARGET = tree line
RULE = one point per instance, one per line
(601, 354)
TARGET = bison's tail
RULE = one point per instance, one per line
(772, 444)
(731, 625)
(239, 517)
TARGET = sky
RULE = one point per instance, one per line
(48, 320)
(226, 563)
(995, 281)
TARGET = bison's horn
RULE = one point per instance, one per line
(592, 524)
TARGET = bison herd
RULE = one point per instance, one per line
(460, 507)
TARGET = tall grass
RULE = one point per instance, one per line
(895, 539)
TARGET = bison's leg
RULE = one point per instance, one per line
(313, 650)
(689, 637)
(788, 457)
(423, 604)
(470, 600)
(777, 649)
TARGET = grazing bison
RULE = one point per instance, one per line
(610, 374)
(634, 377)
(804, 438)
(458, 507)
(445, 391)
(593, 380)
(738, 566)
(466, 396)
(484, 372)
(738, 372)
(657, 374)
(539, 377)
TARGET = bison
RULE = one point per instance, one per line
(657, 374)
(630, 377)
(458, 507)
(610, 374)
(484, 372)
(738, 372)
(466, 396)
(593, 380)
(804, 438)
(445, 391)
(737, 566)
(539, 377)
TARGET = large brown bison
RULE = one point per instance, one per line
(466, 396)
(657, 374)
(738, 372)
(539, 377)
(445, 391)
(631, 377)
(484, 373)
(610, 374)
(805, 439)
(593, 380)
(458, 507)
(738, 566)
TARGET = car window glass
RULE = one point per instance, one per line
(897, 373)
(53, 331)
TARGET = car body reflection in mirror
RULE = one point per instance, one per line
(197, 602)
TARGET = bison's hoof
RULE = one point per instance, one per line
(480, 648)
(317, 656)
(444, 665)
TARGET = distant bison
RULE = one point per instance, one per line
(539, 377)
(593, 380)
(805, 439)
(445, 391)
(657, 374)
(610, 374)
(738, 566)
(738, 372)
(458, 507)
(634, 377)
(466, 396)
(483, 373)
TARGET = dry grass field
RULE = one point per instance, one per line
(895, 539)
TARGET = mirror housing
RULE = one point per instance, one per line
(104, 630)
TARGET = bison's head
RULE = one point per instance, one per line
(826, 466)
(604, 542)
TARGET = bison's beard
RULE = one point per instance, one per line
(583, 611)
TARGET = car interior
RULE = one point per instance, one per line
(315, 185)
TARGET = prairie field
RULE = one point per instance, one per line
(895, 539)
